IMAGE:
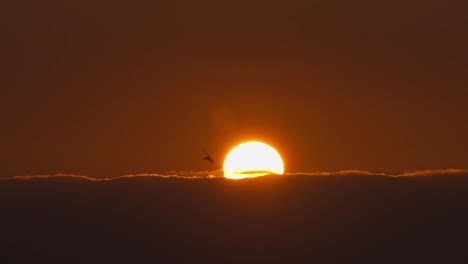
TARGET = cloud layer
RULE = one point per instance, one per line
(197, 175)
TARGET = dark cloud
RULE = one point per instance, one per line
(335, 217)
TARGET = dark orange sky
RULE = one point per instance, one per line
(109, 88)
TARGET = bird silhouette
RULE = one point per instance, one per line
(208, 156)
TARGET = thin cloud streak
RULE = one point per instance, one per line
(433, 172)
(58, 175)
(169, 174)
(200, 175)
(337, 173)
(439, 172)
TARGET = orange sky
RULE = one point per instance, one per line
(100, 88)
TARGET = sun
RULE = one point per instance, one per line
(252, 159)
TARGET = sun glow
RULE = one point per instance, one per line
(252, 159)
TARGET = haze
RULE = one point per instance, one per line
(108, 88)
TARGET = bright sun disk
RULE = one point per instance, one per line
(252, 159)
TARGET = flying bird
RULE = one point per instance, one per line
(208, 156)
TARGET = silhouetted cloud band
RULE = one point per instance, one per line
(198, 175)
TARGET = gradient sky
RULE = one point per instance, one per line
(116, 87)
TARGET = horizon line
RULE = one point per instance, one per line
(217, 174)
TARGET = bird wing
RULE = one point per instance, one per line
(208, 156)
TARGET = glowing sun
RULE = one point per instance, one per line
(252, 159)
